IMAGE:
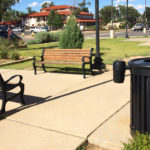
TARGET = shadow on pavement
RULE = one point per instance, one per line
(33, 100)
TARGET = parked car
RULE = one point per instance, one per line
(18, 29)
(4, 34)
(138, 27)
(38, 29)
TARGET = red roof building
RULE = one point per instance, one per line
(40, 18)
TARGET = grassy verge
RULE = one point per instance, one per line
(111, 50)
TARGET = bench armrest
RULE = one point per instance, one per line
(20, 78)
(86, 59)
(35, 58)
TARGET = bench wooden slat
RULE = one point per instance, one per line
(59, 62)
(61, 53)
(66, 59)
(67, 50)
(68, 55)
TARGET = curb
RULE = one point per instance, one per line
(16, 62)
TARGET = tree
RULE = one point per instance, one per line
(54, 20)
(30, 11)
(47, 4)
(105, 14)
(72, 36)
(83, 6)
(119, 14)
(146, 14)
(58, 23)
(5, 5)
(50, 18)
(11, 13)
(133, 14)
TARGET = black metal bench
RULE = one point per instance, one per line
(5, 86)
(64, 56)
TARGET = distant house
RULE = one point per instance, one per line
(40, 18)
(11, 23)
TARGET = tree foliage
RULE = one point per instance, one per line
(72, 36)
(119, 14)
(105, 14)
(84, 6)
(11, 13)
(133, 14)
(146, 16)
(47, 4)
(30, 11)
(54, 20)
(5, 5)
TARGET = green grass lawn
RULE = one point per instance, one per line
(118, 49)
(111, 50)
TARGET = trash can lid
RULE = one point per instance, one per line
(140, 63)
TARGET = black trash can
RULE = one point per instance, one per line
(140, 94)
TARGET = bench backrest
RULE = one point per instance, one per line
(65, 54)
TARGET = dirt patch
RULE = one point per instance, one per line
(94, 147)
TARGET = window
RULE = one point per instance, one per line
(38, 19)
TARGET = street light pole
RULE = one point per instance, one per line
(126, 35)
(98, 60)
(0, 11)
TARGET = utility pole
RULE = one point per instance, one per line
(145, 21)
(145, 13)
(112, 17)
(74, 4)
(112, 14)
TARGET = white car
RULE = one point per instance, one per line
(17, 29)
(36, 29)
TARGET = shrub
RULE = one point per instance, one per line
(35, 41)
(139, 142)
(72, 36)
(15, 55)
(4, 53)
(43, 37)
(122, 26)
(55, 36)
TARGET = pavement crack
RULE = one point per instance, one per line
(46, 129)
(109, 118)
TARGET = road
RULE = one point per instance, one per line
(103, 34)
(106, 34)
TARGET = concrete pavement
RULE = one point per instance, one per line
(62, 111)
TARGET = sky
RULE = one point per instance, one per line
(36, 4)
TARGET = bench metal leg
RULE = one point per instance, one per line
(83, 70)
(43, 66)
(34, 66)
(92, 73)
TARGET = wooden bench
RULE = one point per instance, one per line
(64, 56)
